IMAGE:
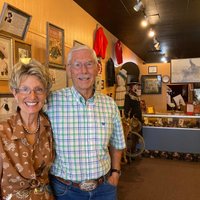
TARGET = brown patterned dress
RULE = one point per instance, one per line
(25, 166)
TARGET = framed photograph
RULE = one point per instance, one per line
(152, 69)
(151, 84)
(185, 70)
(14, 22)
(6, 57)
(55, 46)
(22, 50)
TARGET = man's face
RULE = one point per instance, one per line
(83, 71)
(136, 88)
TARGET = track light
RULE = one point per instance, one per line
(164, 59)
(144, 22)
(138, 6)
(156, 44)
(151, 33)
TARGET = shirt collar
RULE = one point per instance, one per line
(80, 98)
(17, 128)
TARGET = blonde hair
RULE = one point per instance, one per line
(32, 68)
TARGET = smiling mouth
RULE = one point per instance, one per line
(31, 103)
(84, 79)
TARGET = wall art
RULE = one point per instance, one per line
(14, 22)
(55, 46)
(22, 50)
(151, 84)
(185, 70)
(152, 69)
(6, 57)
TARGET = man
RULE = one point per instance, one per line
(88, 134)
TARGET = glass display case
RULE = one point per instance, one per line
(172, 132)
(168, 120)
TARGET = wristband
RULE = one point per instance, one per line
(116, 171)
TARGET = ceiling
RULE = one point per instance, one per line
(176, 23)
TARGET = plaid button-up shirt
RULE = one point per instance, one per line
(82, 132)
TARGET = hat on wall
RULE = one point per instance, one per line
(131, 79)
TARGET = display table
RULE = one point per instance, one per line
(172, 133)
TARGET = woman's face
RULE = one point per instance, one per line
(30, 95)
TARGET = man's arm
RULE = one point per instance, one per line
(116, 155)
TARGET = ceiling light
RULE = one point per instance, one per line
(138, 6)
(164, 59)
(151, 33)
(144, 22)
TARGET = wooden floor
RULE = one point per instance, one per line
(160, 179)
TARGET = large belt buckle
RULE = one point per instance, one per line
(88, 185)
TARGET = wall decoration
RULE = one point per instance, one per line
(185, 70)
(152, 69)
(165, 79)
(55, 46)
(7, 106)
(22, 50)
(14, 22)
(77, 43)
(151, 84)
(98, 83)
(59, 78)
(6, 57)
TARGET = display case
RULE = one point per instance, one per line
(172, 132)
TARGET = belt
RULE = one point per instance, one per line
(87, 185)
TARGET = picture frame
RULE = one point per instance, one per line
(151, 84)
(76, 43)
(185, 70)
(6, 57)
(152, 69)
(22, 50)
(8, 106)
(59, 78)
(55, 46)
(14, 22)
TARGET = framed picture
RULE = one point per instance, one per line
(7, 106)
(22, 50)
(185, 70)
(152, 69)
(6, 57)
(150, 110)
(55, 46)
(77, 43)
(151, 84)
(59, 78)
(14, 22)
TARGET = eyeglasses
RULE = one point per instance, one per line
(78, 65)
(27, 90)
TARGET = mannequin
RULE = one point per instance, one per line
(121, 89)
(132, 102)
(133, 112)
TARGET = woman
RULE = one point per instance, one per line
(26, 147)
